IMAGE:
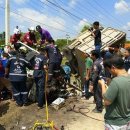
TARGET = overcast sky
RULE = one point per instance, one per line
(27, 13)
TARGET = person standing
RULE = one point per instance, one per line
(88, 68)
(117, 96)
(40, 64)
(96, 71)
(96, 33)
(16, 69)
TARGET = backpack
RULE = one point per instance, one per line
(1, 66)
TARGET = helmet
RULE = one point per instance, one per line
(31, 29)
(17, 31)
(38, 27)
(23, 49)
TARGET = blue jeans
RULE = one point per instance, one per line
(40, 84)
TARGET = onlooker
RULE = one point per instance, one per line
(127, 60)
(96, 33)
(96, 71)
(116, 97)
(67, 70)
(88, 68)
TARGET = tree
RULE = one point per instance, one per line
(85, 27)
(62, 43)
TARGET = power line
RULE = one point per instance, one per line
(54, 20)
(69, 13)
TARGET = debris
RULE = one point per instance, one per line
(23, 128)
(57, 104)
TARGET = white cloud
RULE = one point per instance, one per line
(72, 3)
(121, 7)
(20, 1)
(37, 16)
(81, 24)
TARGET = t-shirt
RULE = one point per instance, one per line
(88, 64)
(118, 113)
(97, 39)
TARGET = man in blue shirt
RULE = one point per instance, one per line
(16, 68)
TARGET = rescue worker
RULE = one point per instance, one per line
(15, 37)
(40, 64)
(16, 69)
(53, 68)
(30, 38)
(44, 34)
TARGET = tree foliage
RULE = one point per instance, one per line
(85, 27)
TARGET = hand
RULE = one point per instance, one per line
(101, 83)
(87, 78)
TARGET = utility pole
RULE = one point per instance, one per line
(67, 38)
(7, 22)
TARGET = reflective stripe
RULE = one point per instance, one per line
(57, 71)
(50, 74)
(16, 94)
(24, 60)
(24, 93)
(18, 74)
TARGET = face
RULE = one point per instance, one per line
(126, 54)
(93, 57)
(95, 26)
(112, 70)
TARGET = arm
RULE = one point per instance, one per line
(109, 94)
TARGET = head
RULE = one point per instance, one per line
(96, 25)
(42, 51)
(31, 30)
(94, 55)
(17, 46)
(23, 50)
(87, 54)
(38, 28)
(127, 52)
(114, 65)
(5, 55)
(17, 27)
(67, 63)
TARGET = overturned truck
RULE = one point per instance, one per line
(75, 51)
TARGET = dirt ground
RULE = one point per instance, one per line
(18, 118)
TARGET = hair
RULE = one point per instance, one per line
(96, 23)
(5, 55)
(115, 61)
(95, 53)
(17, 46)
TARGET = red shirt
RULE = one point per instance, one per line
(15, 38)
(29, 38)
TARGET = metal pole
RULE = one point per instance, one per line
(7, 23)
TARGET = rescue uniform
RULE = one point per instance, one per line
(39, 77)
(96, 72)
(18, 76)
(15, 38)
(53, 69)
(29, 38)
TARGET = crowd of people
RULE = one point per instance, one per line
(106, 74)
(107, 78)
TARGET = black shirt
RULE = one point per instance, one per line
(97, 39)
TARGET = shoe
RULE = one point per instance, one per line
(19, 105)
(96, 111)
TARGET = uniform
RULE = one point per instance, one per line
(96, 71)
(39, 76)
(29, 38)
(18, 75)
(54, 69)
(15, 38)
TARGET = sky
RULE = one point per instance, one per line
(66, 17)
